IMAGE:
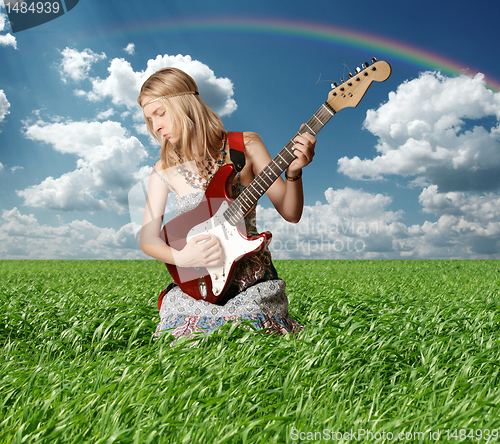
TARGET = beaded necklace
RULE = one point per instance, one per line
(194, 179)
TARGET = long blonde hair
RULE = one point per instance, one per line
(200, 128)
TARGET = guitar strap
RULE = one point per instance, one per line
(236, 150)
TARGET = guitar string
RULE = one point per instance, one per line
(236, 215)
(241, 205)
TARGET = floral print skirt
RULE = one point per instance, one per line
(264, 304)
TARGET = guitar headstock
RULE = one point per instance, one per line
(351, 91)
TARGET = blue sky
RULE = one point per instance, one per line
(412, 172)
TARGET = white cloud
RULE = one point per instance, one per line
(106, 168)
(4, 105)
(104, 115)
(6, 39)
(478, 208)
(425, 130)
(445, 133)
(130, 49)
(352, 224)
(23, 237)
(76, 65)
(355, 224)
(467, 228)
(80, 138)
(454, 237)
(123, 83)
(349, 203)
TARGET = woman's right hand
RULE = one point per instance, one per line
(201, 251)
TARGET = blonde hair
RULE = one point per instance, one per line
(200, 128)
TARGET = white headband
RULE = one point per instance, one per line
(170, 95)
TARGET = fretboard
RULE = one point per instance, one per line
(263, 181)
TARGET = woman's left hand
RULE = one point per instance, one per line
(304, 150)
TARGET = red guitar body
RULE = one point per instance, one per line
(212, 284)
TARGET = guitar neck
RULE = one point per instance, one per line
(263, 181)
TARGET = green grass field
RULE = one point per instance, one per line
(391, 347)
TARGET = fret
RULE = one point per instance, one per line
(288, 148)
(287, 157)
(319, 120)
(312, 131)
(282, 159)
(245, 207)
(263, 181)
(329, 109)
(262, 189)
(275, 168)
(234, 213)
(250, 191)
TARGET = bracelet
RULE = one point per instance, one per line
(293, 179)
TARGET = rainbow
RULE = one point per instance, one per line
(316, 32)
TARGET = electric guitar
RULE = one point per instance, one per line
(219, 215)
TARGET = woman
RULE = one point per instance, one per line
(194, 144)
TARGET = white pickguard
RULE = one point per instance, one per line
(232, 243)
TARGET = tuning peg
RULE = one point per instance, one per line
(349, 75)
(374, 59)
(334, 85)
(341, 80)
(357, 70)
(365, 65)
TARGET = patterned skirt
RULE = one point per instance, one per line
(264, 304)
